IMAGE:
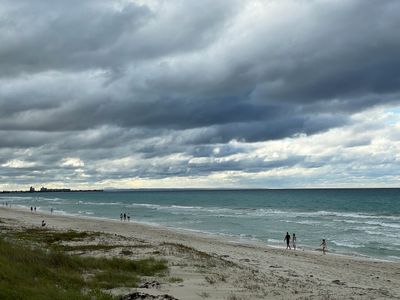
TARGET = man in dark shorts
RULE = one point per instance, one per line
(287, 239)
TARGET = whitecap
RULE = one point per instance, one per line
(346, 244)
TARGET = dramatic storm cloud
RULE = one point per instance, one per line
(261, 93)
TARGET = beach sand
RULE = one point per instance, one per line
(206, 267)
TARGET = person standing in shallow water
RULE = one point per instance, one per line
(287, 239)
(294, 241)
(324, 246)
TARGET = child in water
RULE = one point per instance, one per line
(324, 246)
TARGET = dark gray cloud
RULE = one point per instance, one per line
(89, 34)
(111, 80)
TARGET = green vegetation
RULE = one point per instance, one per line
(88, 248)
(175, 280)
(31, 271)
(204, 261)
(182, 249)
(49, 237)
(126, 252)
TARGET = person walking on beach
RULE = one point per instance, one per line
(124, 216)
(324, 246)
(287, 239)
(294, 241)
(129, 217)
(120, 216)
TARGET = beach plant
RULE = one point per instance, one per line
(88, 247)
(234, 297)
(175, 280)
(30, 272)
(210, 279)
(49, 237)
(126, 252)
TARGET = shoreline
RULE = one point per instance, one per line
(254, 271)
(203, 234)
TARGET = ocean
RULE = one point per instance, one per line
(361, 222)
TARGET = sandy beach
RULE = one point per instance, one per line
(207, 267)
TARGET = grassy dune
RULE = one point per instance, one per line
(33, 267)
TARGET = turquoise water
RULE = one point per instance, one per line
(363, 222)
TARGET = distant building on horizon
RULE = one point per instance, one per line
(44, 189)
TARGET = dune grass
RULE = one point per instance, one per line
(30, 272)
(49, 237)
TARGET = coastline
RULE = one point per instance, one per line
(357, 229)
(277, 273)
(234, 239)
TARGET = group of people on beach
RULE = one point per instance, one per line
(33, 209)
(287, 239)
(292, 238)
(125, 216)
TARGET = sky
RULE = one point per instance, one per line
(199, 94)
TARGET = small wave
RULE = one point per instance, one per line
(22, 206)
(274, 241)
(306, 222)
(382, 224)
(380, 233)
(55, 199)
(353, 215)
(346, 244)
(147, 205)
(348, 221)
(393, 257)
(10, 198)
(64, 213)
(186, 207)
(187, 222)
(86, 212)
(99, 203)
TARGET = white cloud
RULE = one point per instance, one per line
(72, 162)
(18, 164)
